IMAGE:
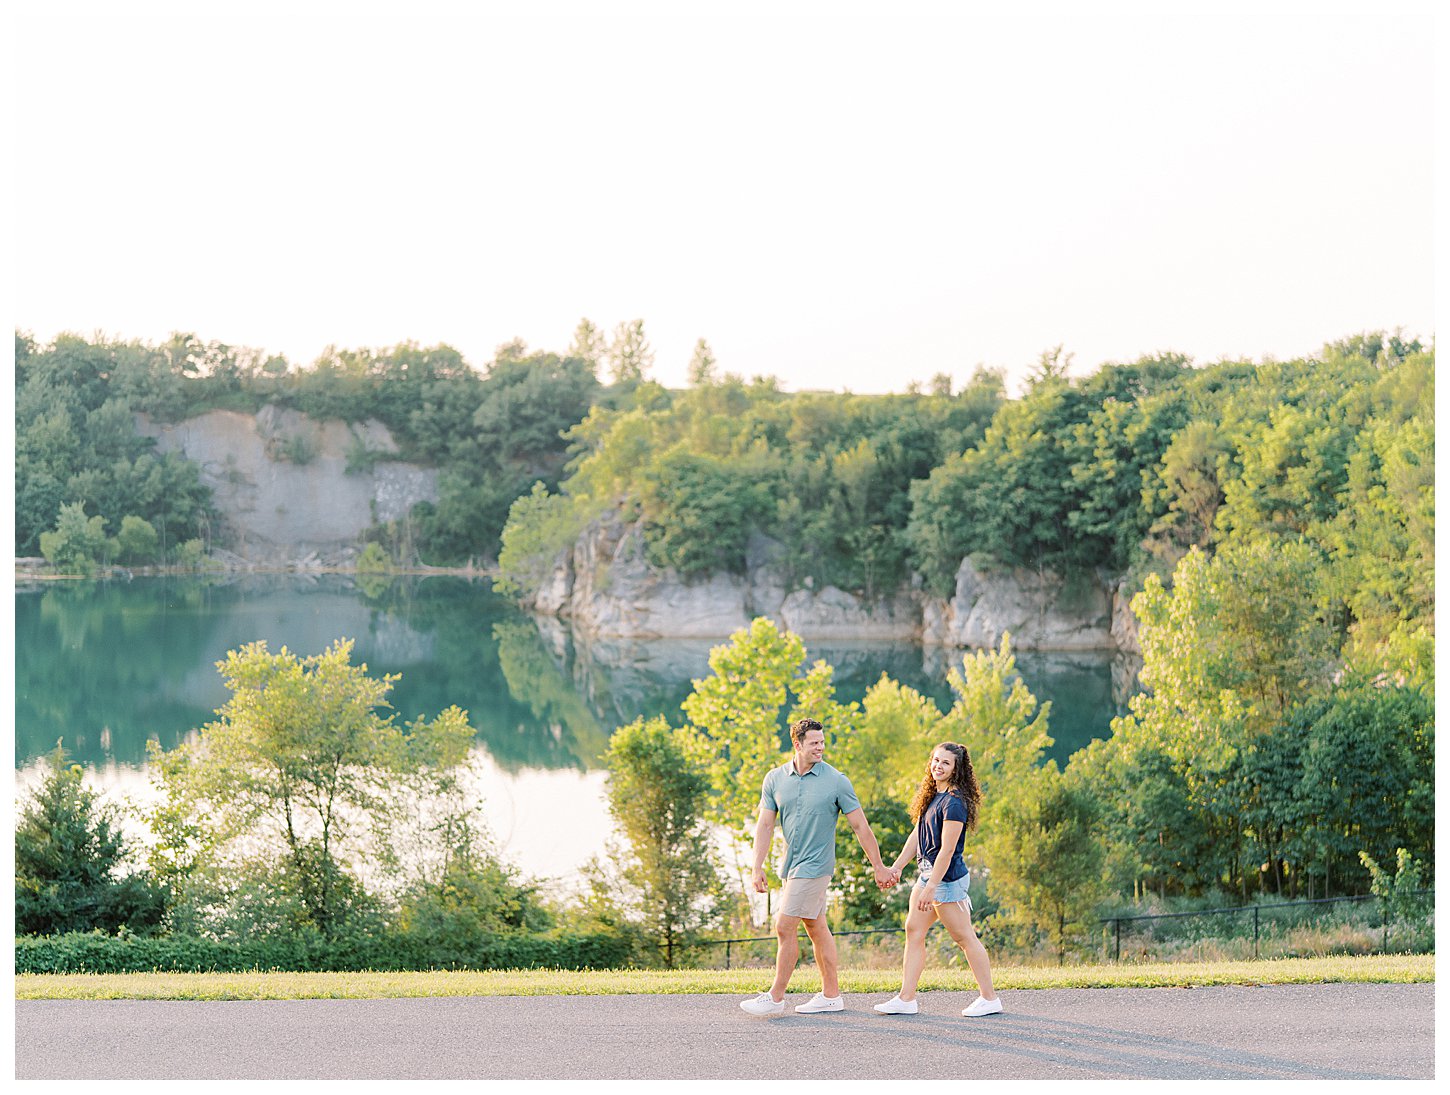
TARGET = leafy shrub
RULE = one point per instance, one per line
(373, 560)
(77, 543)
(68, 855)
(93, 952)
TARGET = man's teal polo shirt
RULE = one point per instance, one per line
(807, 806)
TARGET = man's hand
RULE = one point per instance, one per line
(885, 878)
(758, 878)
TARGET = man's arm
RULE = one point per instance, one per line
(862, 828)
(764, 830)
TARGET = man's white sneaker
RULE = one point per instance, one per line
(763, 1005)
(821, 1002)
(896, 1006)
(983, 1007)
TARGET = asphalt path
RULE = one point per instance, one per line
(1335, 1032)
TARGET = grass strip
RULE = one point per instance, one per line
(363, 986)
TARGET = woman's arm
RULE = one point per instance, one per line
(950, 830)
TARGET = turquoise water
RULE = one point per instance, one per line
(107, 665)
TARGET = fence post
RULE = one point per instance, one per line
(727, 954)
(1117, 939)
(1256, 931)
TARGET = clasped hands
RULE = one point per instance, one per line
(886, 877)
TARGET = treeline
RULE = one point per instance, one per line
(305, 829)
(1121, 471)
(491, 435)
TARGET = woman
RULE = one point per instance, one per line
(946, 805)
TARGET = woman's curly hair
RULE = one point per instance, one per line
(963, 784)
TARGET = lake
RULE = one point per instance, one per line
(105, 666)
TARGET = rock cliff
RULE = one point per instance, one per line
(606, 587)
(282, 482)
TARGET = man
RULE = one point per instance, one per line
(807, 793)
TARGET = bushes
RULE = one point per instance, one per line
(69, 854)
(78, 952)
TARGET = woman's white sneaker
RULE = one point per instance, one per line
(982, 1007)
(896, 1006)
(763, 1005)
(821, 1002)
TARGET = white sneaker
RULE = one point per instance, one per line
(821, 1002)
(763, 1005)
(983, 1007)
(896, 1006)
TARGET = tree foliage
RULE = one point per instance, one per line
(665, 873)
(300, 761)
(70, 860)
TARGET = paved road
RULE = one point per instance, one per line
(1236, 1033)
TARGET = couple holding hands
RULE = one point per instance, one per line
(806, 794)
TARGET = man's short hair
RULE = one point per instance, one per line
(801, 727)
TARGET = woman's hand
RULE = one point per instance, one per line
(924, 896)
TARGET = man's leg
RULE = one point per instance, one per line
(824, 944)
(787, 951)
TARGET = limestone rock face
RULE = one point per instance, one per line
(615, 592)
(1041, 611)
(832, 613)
(606, 586)
(281, 482)
(1125, 624)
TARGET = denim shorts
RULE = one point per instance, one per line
(948, 892)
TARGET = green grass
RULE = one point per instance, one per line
(361, 986)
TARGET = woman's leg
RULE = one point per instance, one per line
(913, 959)
(958, 923)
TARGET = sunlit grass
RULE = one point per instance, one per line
(305, 986)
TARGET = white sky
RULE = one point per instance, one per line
(843, 201)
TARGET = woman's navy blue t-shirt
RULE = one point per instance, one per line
(945, 807)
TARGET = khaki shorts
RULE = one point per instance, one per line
(805, 897)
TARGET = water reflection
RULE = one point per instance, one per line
(107, 665)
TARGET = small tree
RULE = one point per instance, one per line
(630, 355)
(299, 762)
(1396, 893)
(1047, 863)
(588, 344)
(137, 541)
(738, 711)
(701, 372)
(69, 852)
(657, 797)
(77, 542)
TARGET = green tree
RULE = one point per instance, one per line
(300, 762)
(658, 797)
(136, 542)
(70, 855)
(540, 526)
(701, 370)
(588, 344)
(1240, 639)
(1366, 779)
(737, 711)
(998, 719)
(1400, 894)
(77, 543)
(630, 354)
(1047, 862)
